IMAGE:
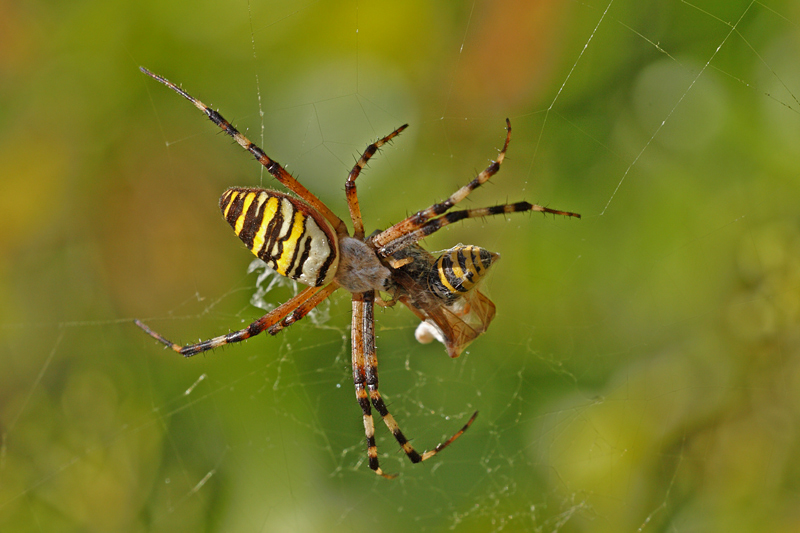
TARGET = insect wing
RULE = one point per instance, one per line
(455, 325)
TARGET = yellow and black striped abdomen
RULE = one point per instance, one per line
(458, 270)
(284, 232)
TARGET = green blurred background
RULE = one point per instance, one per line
(643, 367)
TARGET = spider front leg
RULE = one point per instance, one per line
(350, 184)
(435, 217)
(365, 372)
(265, 322)
(421, 217)
(432, 226)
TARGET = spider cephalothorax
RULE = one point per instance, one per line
(302, 239)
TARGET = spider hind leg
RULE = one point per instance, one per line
(304, 302)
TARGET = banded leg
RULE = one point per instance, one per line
(304, 308)
(350, 184)
(360, 344)
(263, 323)
(363, 317)
(273, 167)
(421, 217)
(436, 224)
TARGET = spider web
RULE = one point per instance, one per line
(640, 374)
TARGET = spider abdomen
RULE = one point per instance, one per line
(284, 232)
(458, 270)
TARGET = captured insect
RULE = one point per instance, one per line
(300, 238)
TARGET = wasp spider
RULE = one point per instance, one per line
(299, 237)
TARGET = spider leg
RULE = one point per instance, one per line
(421, 217)
(273, 167)
(265, 322)
(436, 224)
(304, 308)
(360, 344)
(350, 184)
(365, 370)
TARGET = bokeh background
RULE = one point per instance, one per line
(643, 368)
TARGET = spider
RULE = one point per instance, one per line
(302, 239)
